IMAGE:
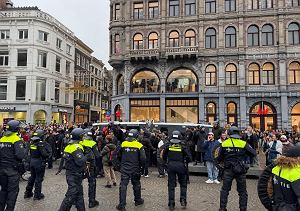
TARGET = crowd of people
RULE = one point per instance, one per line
(226, 152)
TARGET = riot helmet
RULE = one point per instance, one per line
(176, 137)
(132, 134)
(234, 132)
(76, 135)
(12, 126)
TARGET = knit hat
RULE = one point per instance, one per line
(293, 152)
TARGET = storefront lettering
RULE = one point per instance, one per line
(7, 108)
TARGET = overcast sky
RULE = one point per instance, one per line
(88, 19)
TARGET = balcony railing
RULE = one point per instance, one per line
(144, 52)
(182, 50)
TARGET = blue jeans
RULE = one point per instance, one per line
(212, 170)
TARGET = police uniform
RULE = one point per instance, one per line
(132, 156)
(12, 152)
(91, 153)
(75, 163)
(38, 157)
(284, 192)
(176, 155)
(232, 153)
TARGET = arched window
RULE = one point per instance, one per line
(294, 70)
(145, 81)
(120, 85)
(231, 113)
(182, 80)
(268, 76)
(263, 116)
(230, 37)
(190, 38)
(174, 39)
(296, 118)
(231, 74)
(138, 42)
(253, 74)
(117, 44)
(253, 36)
(294, 33)
(153, 40)
(211, 112)
(267, 37)
(210, 38)
(211, 75)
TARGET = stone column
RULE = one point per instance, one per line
(284, 111)
(243, 112)
(163, 108)
(202, 117)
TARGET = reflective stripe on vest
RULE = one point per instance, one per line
(175, 148)
(238, 143)
(132, 144)
(13, 138)
(72, 148)
(88, 143)
(33, 147)
(289, 174)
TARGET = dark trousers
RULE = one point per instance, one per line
(145, 167)
(161, 166)
(50, 162)
(136, 183)
(99, 166)
(74, 193)
(36, 178)
(92, 186)
(9, 190)
(241, 188)
(177, 169)
(200, 157)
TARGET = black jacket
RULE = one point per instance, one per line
(132, 156)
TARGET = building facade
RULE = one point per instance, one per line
(36, 67)
(198, 61)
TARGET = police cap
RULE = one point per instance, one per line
(234, 132)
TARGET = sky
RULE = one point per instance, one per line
(88, 19)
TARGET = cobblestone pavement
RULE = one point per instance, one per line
(201, 196)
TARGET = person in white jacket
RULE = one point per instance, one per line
(274, 149)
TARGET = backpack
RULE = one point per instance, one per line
(114, 156)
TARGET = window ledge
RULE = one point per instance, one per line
(59, 48)
(43, 42)
(22, 40)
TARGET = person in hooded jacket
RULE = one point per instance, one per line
(145, 140)
(279, 185)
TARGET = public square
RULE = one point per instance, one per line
(201, 196)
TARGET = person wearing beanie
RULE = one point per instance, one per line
(286, 144)
(279, 185)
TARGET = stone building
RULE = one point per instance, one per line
(203, 60)
(36, 67)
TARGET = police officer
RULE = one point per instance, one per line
(75, 163)
(132, 157)
(91, 153)
(38, 157)
(232, 153)
(284, 175)
(12, 152)
(176, 155)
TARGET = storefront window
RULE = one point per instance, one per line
(144, 82)
(296, 118)
(263, 116)
(20, 116)
(56, 117)
(143, 110)
(182, 80)
(211, 112)
(183, 110)
(40, 117)
(40, 90)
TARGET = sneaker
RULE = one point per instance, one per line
(142, 175)
(172, 207)
(93, 204)
(183, 204)
(216, 181)
(161, 176)
(139, 202)
(209, 181)
(146, 176)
